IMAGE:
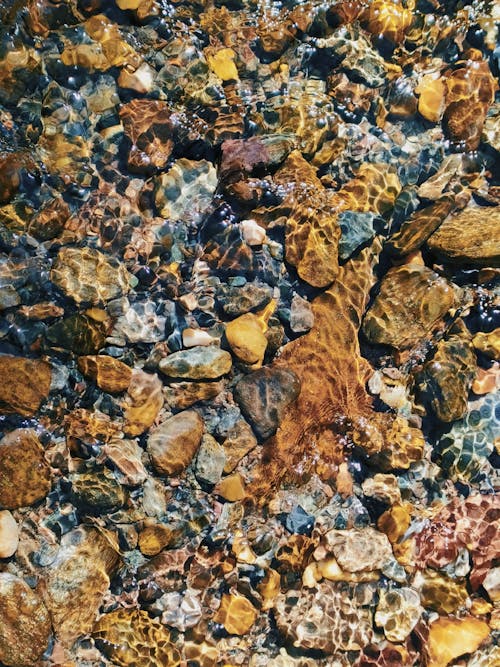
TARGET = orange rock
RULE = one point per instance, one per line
(451, 637)
(231, 488)
(108, 373)
(174, 443)
(431, 102)
(25, 384)
(152, 539)
(269, 588)
(388, 18)
(24, 473)
(143, 402)
(394, 522)
(236, 614)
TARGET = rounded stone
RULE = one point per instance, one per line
(174, 443)
(25, 384)
(197, 363)
(109, 374)
(9, 534)
(236, 614)
(246, 338)
(24, 473)
(25, 626)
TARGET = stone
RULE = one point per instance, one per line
(431, 92)
(488, 343)
(182, 395)
(491, 584)
(77, 580)
(442, 594)
(97, 492)
(149, 127)
(25, 384)
(389, 19)
(186, 190)
(210, 460)
(87, 275)
(221, 62)
(141, 80)
(394, 522)
(196, 337)
(25, 628)
(109, 374)
(301, 315)
(384, 488)
(450, 637)
(173, 444)
(398, 612)
(357, 228)
(131, 637)
(79, 333)
(404, 322)
(9, 534)
(50, 221)
(126, 456)
(143, 402)
(246, 338)
(253, 234)
(235, 301)
(197, 363)
(24, 473)
(264, 395)
(140, 323)
(326, 618)
(236, 614)
(359, 550)
(154, 538)
(231, 488)
(239, 441)
(469, 238)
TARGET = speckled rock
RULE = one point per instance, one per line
(140, 323)
(398, 612)
(97, 492)
(210, 460)
(472, 237)
(263, 396)
(451, 637)
(183, 192)
(402, 323)
(9, 534)
(197, 363)
(357, 228)
(109, 374)
(441, 593)
(25, 628)
(87, 275)
(239, 441)
(173, 444)
(143, 402)
(359, 550)
(249, 297)
(25, 384)
(24, 474)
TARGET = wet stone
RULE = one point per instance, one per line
(25, 384)
(236, 614)
(264, 395)
(25, 628)
(210, 460)
(398, 612)
(173, 444)
(9, 534)
(197, 363)
(24, 474)
(236, 301)
(109, 374)
(301, 315)
(97, 492)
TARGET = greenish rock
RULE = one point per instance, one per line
(235, 300)
(357, 228)
(197, 363)
(97, 491)
(210, 460)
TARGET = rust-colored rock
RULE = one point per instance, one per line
(25, 384)
(231, 488)
(148, 125)
(173, 444)
(152, 539)
(236, 614)
(108, 373)
(441, 593)
(143, 402)
(24, 474)
(25, 623)
(450, 637)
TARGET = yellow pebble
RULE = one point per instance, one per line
(222, 64)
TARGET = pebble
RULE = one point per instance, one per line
(197, 363)
(210, 460)
(231, 488)
(25, 476)
(239, 441)
(246, 338)
(25, 384)
(109, 374)
(236, 614)
(9, 534)
(301, 315)
(253, 233)
(196, 338)
(173, 444)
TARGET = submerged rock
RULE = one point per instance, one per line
(173, 444)
(25, 476)
(25, 384)
(197, 363)
(451, 637)
(398, 612)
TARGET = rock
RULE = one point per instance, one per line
(384, 488)
(140, 323)
(143, 402)
(236, 614)
(253, 234)
(76, 581)
(404, 322)
(301, 315)
(239, 441)
(469, 238)
(431, 101)
(359, 550)
(394, 522)
(131, 637)
(488, 343)
(246, 338)
(49, 222)
(25, 628)
(149, 127)
(389, 19)
(197, 363)
(153, 539)
(141, 80)
(9, 534)
(357, 228)
(398, 612)
(451, 637)
(221, 62)
(441, 593)
(239, 300)
(182, 395)
(196, 337)
(87, 275)
(491, 584)
(25, 384)
(97, 492)
(231, 488)
(298, 521)
(24, 474)
(78, 333)
(126, 456)
(173, 444)
(108, 373)
(330, 617)
(263, 397)
(210, 460)
(186, 190)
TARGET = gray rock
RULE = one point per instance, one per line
(263, 396)
(301, 315)
(236, 300)
(197, 363)
(210, 460)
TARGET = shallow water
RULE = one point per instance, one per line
(249, 333)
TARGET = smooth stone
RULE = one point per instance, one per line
(143, 402)
(451, 637)
(398, 612)
(238, 300)
(197, 363)
(472, 237)
(236, 614)
(196, 338)
(246, 338)
(97, 491)
(182, 395)
(109, 374)
(301, 315)
(210, 460)
(231, 488)
(24, 474)
(263, 396)
(142, 79)
(173, 444)
(253, 233)
(25, 626)
(357, 228)
(25, 384)
(9, 534)
(491, 584)
(240, 440)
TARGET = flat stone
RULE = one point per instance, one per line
(472, 237)
(182, 395)
(240, 440)
(301, 315)
(246, 338)
(25, 384)
(109, 374)
(143, 402)
(197, 363)
(25, 627)
(263, 396)
(236, 301)
(174, 443)
(24, 473)
(231, 488)
(236, 614)
(210, 460)
(9, 534)
(451, 637)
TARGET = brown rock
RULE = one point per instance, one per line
(25, 623)
(143, 402)
(231, 488)
(472, 237)
(182, 395)
(246, 338)
(236, 614)
(49, 222)
(174, 443)
(25, 384)
(108, 373)
(239, 441)
(24, 473)
(451, 637)
(152, 539)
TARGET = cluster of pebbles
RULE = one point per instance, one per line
(249, 333)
